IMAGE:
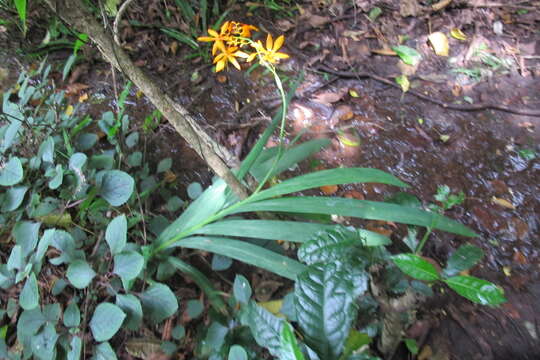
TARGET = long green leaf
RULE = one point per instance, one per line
(259, 145)
(416, 267)
(206, 205)
(329, 177)
(290, 157)
(364, 209)
(202, 281)
(247, 253)
(477, 290)
(281, 230)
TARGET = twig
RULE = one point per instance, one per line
(118, 18)
(472, 107)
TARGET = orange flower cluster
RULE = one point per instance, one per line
(234, 36)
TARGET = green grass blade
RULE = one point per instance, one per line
(247, 253)
(20, 5)
(180, 37)
(204, 14)
(364, 209)
(293, 231)
(202, 282)
(329, 177)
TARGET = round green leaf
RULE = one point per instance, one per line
(106, 321)
(116, 187)
(237, 352)
(194, 308)
(86, 141)
(164, 165)
(104, 351)
(12, 172)
(13, 198)
(159, 302)
(72, 315)
(133, 309)
(56, 181)
(465, 257)
(29, 297)
(128, 265)
(416, 267)
(194, 190)
(116, 234)
(241, 289)
(178, 332)
(80, 274)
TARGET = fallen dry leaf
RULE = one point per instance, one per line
(329, 189)
(502, 202)
(328, 97)
(316, 20)
(519, 257)
(458, 34)
(426, 353)
(353, 194)
(83, 97)
(75, 88)
(439, 42)
(388, 52)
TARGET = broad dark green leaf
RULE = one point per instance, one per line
(80, 274)
(16, 259)
(116, 234)
(133, 310)
(247, 253)
(29, 297)
(106, 321)
(416, 267)
(325, 308)
(337, 243)
(264, 326)
(116, 187)
(465, 257)
(128, 265)
(294, 231)
(289, 345)
(46, 150)
(13, 198)
(202, 282)
(477, 290)
(329, 177)
(241, 289)
(159, 302)
(194, 308)
(164, 165)
(57, 177)
(365, 209)
(220, 262)
(206, 205)
(43, 245)
(52, 312)
(11, 173)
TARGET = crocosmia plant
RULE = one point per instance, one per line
(234, 41)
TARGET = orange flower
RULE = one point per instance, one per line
(215, 37)
(227, 55)
(270, 53)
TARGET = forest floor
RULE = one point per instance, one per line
(491, 154)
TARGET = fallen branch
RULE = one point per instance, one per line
(472, 107)
(75, 13)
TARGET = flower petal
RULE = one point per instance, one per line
(235, 63)
(269, 42)
(280, 55)
(213, 33)
(205, 38)
(220, 66)
(241, 54)
(278, 43)
(224, 27)
(251, 57)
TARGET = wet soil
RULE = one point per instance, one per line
(480, 153)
